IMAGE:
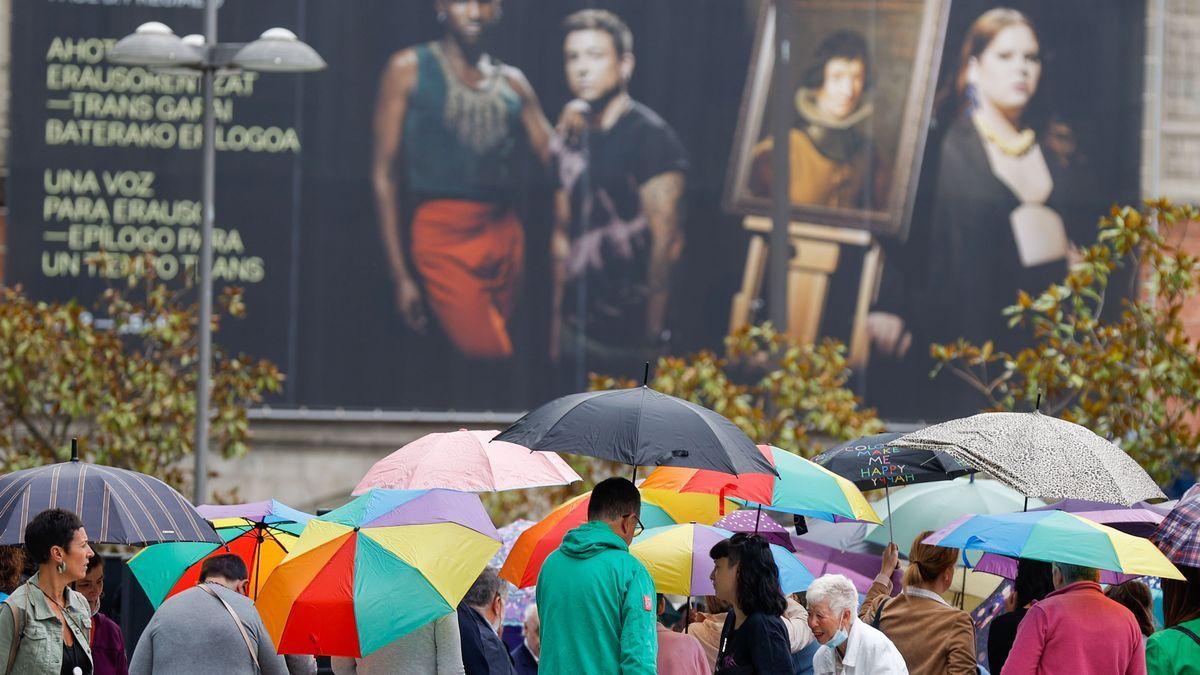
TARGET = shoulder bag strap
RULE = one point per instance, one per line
(1188, 632)
(238, 622)
(18, 632)
(879, 613)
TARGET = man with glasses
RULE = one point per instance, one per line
(597, 602)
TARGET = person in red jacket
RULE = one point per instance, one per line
(1077, 630)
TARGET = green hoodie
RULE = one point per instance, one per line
(597, 607)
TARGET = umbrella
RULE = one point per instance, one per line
(517, 600)
(260, 533)
(1178, 536)
(1139, 522)
(117, 506)
(752, 522)
(860, 568)
(872, 462)
(801, 488)
(918, 508)
(375, 569)
(659, 508)
(639, 427)
(1056, 536)
(845, 536)
(465, 460)
(1041, 456)
(677, 558)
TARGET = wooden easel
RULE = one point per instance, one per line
(817, 249)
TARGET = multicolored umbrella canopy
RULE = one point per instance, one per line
(930, 506)
(802, 487)
(469, 461)
(753, 521)
(518, 599)
(117, 506)
(1178, 536)
(1040, 456)
(341, 589)
(659, 508)
(1056, 536)
(677, 557)
(260, 533)
(872, 462)
(860, 568)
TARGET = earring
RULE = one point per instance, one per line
(62, 567)
(972, 95)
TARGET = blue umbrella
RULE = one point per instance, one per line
(117, 506)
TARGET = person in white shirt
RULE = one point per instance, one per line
(848, 646)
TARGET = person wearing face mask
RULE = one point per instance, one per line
(211, 627)
(108, 645)
(753, 637)
(480, 615)
(525, 656)
(44, 625)
(848, 645)
(933, 637)
(833, 161)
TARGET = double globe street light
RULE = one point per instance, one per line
(154, 45)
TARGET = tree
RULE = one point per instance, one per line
(776, 389)
(121, 378)
(1134, 378)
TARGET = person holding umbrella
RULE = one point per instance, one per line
(1176, 650)
(597, 601)
(44, 625)
(932, 636)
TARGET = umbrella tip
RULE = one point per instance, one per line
(1037, 407)
(74, 449)
(646, 375)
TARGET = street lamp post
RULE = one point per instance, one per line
(154, 45)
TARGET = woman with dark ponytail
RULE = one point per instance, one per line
(754, 639)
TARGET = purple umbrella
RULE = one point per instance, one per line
(518, 600)
(753, 522)
(860, 568)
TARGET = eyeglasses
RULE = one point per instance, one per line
(639, 528)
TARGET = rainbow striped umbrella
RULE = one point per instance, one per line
(1056, 536)
(659, 508)
(677, 558)
(802, 488)
(379, 567)
(260, 533)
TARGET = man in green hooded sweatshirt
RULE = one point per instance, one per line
(596, 601)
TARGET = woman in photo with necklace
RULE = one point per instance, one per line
(54, 621)
(1012, 202)
(455, 114)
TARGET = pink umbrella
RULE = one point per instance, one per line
(468, 461)
(860, 568)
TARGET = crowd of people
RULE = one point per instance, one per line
(598, 612)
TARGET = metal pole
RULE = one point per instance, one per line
(888, 496)
(781, 115)
(208, 196)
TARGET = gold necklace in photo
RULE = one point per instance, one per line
(1013, 148)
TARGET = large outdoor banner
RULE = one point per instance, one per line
(479, 203)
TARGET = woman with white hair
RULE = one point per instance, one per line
(848, 646)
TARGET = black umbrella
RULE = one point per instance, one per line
(872, 462)
(117, 506)
(640, 427)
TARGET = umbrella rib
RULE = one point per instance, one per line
(568, 411)
(637, 434)
(713, 430)
(142, 505)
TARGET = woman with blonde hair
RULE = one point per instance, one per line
(932, 636)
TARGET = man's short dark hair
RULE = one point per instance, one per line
(50, 528)
(613, 498)
(842, 44)
(1073, 573)
(227, 566)
(601, 19)
(484, 590)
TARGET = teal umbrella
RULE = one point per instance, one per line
(930, 506)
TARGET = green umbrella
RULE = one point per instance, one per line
(930, 506)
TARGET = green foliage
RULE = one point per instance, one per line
(1134, 378)
(776, 389)
(121, 378)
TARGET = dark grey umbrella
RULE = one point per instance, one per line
(117, 506)
(639, 427)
